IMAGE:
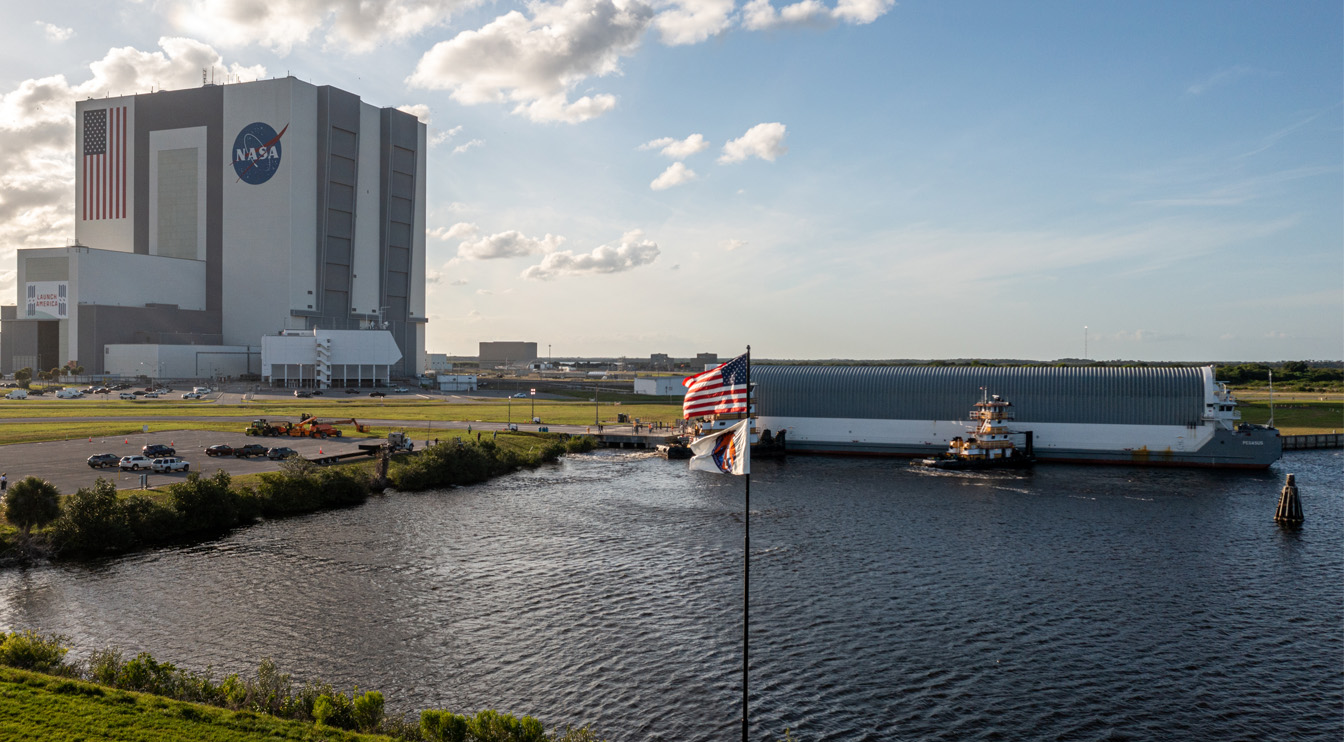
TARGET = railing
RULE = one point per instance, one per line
(1312, 441)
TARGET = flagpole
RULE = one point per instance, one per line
(746, 556)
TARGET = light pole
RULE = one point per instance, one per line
(534, 404)
(1084, 342)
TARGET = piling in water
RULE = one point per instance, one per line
(1289, 512)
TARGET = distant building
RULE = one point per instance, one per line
(662, 386)
(707, 360)
(437, 362)
(507, 352)
(215, 215)
(456, 383)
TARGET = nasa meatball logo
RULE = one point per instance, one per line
(256, 152)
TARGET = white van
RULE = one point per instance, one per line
(68, 393)
(17, 394)
(200, 390)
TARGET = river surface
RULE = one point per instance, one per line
(887, 603)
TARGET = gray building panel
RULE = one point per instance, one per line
(398, 157)
(181, 109)
(1117, 396)
(338, 134)
(105, 325)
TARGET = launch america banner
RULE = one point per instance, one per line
(48, 300)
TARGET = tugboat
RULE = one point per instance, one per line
(989, 446)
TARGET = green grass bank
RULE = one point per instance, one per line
(111, 697)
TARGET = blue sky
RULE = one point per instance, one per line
(851, 179)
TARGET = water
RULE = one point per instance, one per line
(888, 603)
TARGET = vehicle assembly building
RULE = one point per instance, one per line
(218, 215)
(1152, 415)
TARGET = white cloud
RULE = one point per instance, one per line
(632, 252)
(534, 62)
(458, 282)
(37, 130)
(765, 141)
(693, 21)
(55, 32)
(418, 110)
(484, 292)
(675, 174)
(459, 149)
(510, 244)
(350, 25)
(731, 245)
(678, 149)
(760, 15)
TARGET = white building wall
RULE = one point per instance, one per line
(364, 265)
(107, 234)
(270, 229)
(348, 347)
(177, 361)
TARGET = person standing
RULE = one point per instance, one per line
(4, 483)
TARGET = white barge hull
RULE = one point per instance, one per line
(1209, 445)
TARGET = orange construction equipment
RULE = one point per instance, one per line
(312, 428)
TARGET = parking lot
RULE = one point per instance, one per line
(64, 463)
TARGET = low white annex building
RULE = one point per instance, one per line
(662, 386)
(325, 358)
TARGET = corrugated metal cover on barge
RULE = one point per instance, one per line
(1098, 395)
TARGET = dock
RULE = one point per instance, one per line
(1312, 441)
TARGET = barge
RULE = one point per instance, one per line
(1150, 416)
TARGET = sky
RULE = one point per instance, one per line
(816, 179)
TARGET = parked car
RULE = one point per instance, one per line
(158, 450)
(520, 395)
(348, 390)
(281, 452)
(400, 390)
(219, 449)
(170, 463)
(101, 460)
(302, 393)
(151, 395)
(377, 394)
(134, 463)
(190, 395)
(17, 394)
(251, 449)
(127, 395)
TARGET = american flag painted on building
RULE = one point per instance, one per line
(721, 390)
(104, 192)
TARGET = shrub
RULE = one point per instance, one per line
(150, 522)
(443, 726)
(334, 710)
(92, 522)
(27, 650)
(147, 676)
(105, 666)
(32, 502)
(491, 726)
(367, 711)
(204, 504)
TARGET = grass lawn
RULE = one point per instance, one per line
(42, 707)
(1297, 417)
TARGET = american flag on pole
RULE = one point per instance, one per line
(721, 390)
(104, 192)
